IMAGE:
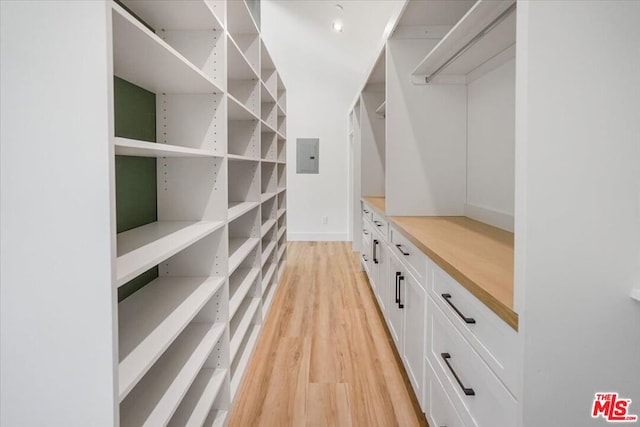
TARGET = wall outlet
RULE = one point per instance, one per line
(324, 220)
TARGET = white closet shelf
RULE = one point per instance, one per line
(245, 357)
(156, 397)
(281, 251)
(241, 280)
(382, 109)
(144, 59)
(239, 249)
(267, 225)
(238, 111)
(239, 19)
(268, 276)
(282, 162)
(281, 112)
(266, 94)
(282, 190)
(132, 147)
(269, 161)
(239, 158)
(216, 418)
(237, 209)
(266, 196)
(281, 212)
(175, 15)
(141, 248)
(269, 127)
(150, 319)
(247, 312)
(268, 299)
(481, 15)
(267, 251)
(281, 137)
(197, 403)
(281, 232)
(239, 66)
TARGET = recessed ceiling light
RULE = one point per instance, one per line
(337, 26)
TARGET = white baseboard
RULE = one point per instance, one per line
(488, 216)
(318, 237)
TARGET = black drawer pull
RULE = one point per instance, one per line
(402, 251)
(365, 211)
(365, 232)
(364, 257)
(375, 250)
(447, 298)
(400, 304)
(378, 223)
(467, 391)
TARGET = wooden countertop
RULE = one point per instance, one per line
(378, 203)
(477, 255)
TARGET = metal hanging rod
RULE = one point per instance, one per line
(473, 41)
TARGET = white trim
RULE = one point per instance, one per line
(489, 216)
(318, 237)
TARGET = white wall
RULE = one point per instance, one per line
(491, 146)
(578, 206)
(322, 71)
(57, 350)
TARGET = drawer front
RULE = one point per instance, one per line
(477, 394)
(367, 212)
(438, 406)
(380, 224)
(411, 256)
(490, 336)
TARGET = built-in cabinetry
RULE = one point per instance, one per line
(189, 140)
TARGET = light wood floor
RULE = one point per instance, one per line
(324, 357)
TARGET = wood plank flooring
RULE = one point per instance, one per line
(324, 357)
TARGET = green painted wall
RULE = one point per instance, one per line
(136, 185)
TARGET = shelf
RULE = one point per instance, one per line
(281, 232)
(268, 299)
(245, 357)
(268, 276)
(269, 127)
(267, 226)
(281, 212)
(237, 110)
(237, 209)
(281, 112)
(238, 158)
(269, 161)
(197, 403)
(281, 251)
(381, 110)
(216, 419)
(241, 280)
(482, 14)
(141, 248)
(239, 249)
(156, 397)
(144, 59)
(267, 251)
(266, 196)
(281, 137)
(248, 310)
(175, 15)
(132, 147)
(239, 19)
(150, 319)
(266, 94)
(239, 66)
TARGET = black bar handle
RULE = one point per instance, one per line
(378, 223)
(402, 251)
(467, 391)
(375, 250)
(400, 304)
(447, 298)
(398, 274)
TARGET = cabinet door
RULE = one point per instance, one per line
(382, 277)
(394, 312)
(413, 300)
(375, 265)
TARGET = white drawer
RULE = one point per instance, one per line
(366, 231)
(367, 212)
(410, 255)
(477, 394)
(438, 405)
(380, 224)
(490, 336)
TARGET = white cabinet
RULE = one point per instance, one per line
(412, 304)
(394, 315)
(380, 271)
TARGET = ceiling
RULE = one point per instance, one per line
(435, 12)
